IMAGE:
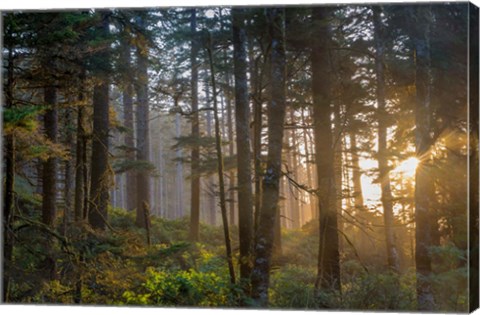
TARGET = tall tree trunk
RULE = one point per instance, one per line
(195, 176)
(86, 170)
(80, 171)
(256, 96)
(49, 176)
(328, 277)
(423, 81)
(231, 143)
(69, 170)
(271, 181)
(356, 174)
(382, 115)
(308, 167)
(221, 184)
(143, 139)
(179, 166)
(127, 98)
(293, 157)
(242, 124)
(9, 192)
(100, 174)
(49, 168)
(209, 201)
(80, 164)
(338, 159)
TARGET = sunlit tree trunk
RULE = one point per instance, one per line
(220, 168)
(308, 166)
(242, 124)
(293, 164)
(257, 127)
(328, 276)
(142, 126)
(100, 174)
(338, 161)
(423, 109)
(356, 174)
(271, 180)
(195, 176)
(382, 115)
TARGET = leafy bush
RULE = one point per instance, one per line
(182, 288)
(380, 291)
(292, 287)
(450, 278)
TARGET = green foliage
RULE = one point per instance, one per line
(292, 287)
(21, 117)
(450, 267)
(122, 166)
(28, 200)
(379, 291)
(182, 288)
(301, 246)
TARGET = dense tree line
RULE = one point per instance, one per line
(331, 141)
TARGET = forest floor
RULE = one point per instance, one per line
(117, 267)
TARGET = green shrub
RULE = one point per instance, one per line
(292, 287)
(182, 288)
(380, 291)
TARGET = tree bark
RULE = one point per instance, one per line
(9, 194)
(293, 157)
(195, 176)
(80, 164)
(257, 130)
(142, 121)
(383, 168)
(49, 169)
(242, 124)
(423, 81)
(69, 171)
(127, 98)
(308, 168)
(179, 167)
(356, 174)
(328, 276)
(221, 183)
(100, 174)
(49, 175)
(271, 180)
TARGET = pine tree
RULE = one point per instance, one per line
(264, 235)
(328, 276)
(100, 174)
(242, 122)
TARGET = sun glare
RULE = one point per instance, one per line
(408, 167)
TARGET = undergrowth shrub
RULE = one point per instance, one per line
(292, 287)
(182, 288)
(379, 291)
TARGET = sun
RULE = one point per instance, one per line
(408, 167)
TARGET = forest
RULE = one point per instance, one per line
(282, 157)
